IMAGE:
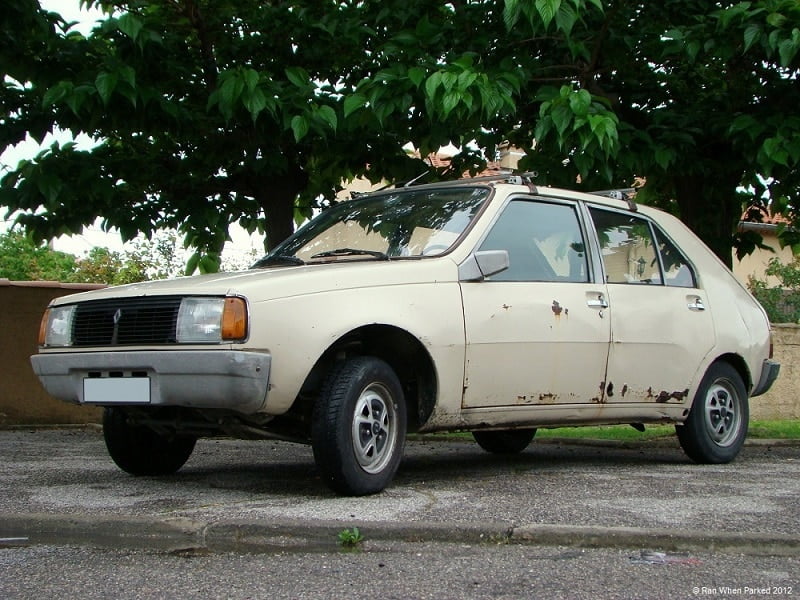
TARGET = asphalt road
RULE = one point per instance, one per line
(252, 520)
(393, 571)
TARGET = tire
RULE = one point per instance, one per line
(358, 427)
(717, 424)
(139, 450)
(511, 441)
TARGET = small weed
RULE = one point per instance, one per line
(350, 538)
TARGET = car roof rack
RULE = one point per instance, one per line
(625, 194)
(507, 177)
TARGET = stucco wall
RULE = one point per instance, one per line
(783, 400)
(24, 402)
(22, 398)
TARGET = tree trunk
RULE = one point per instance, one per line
(710, 207)
(277, 199)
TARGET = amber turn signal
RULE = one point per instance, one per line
(234, 319)
(43, 327)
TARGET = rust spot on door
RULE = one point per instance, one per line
(602, 397)
(556, 308)
(547, 398)
(624, 390)
(610, 390)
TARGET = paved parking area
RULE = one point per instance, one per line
(61, 485)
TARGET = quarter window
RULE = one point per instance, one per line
(629, 251)
(677, 270)
(543, 240)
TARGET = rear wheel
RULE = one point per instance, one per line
(139, 450)
(359, 427)
(511, 441)
(717, 424)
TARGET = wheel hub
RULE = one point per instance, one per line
(374, 428)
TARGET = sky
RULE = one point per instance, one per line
(242, 244)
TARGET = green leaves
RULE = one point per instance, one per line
(353, 102)
(540, 14)
(242, 87)
(298, 77)
(300, 127)
(463, 91)
(105, 83)
(580, 126)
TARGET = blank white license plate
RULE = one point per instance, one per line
(116, 390)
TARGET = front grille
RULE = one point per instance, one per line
(126, 321)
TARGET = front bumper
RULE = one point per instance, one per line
(769, 373)
(226, 379)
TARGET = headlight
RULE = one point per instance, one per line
(56, 327)
(210, 320)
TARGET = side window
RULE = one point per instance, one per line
(544, 243)
(629, 251)
(677, 270)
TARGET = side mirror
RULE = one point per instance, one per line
(483, 264)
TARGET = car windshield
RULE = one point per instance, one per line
(407, 223)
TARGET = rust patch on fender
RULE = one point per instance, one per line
(665, 396)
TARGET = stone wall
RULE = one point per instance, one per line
(782, 401)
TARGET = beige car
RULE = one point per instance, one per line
(486, 305)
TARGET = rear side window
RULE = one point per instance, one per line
(544, 242)
(677, 270)
(636, 252)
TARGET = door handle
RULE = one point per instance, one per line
(600, 302)
(696, 303)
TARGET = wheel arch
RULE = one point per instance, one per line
(740, 365)
(402, 351)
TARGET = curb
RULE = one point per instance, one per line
(184, 536)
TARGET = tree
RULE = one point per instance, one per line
(25, 260)
(208, 113)
(703, 103)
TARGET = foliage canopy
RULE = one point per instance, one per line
(209, 113)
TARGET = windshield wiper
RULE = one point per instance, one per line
(278, 259)
(351, 252)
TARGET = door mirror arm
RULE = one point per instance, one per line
(483, 264)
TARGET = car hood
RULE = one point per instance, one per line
(281, 282)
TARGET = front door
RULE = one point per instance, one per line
(536, 333)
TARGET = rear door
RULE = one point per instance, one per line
(536, 333)
(660, 328)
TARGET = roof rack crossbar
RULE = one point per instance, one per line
(514, 178)
(625, 194)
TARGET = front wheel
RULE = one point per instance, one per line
(512, 441)
(139, 450)
(359, 426)
(717, 424)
